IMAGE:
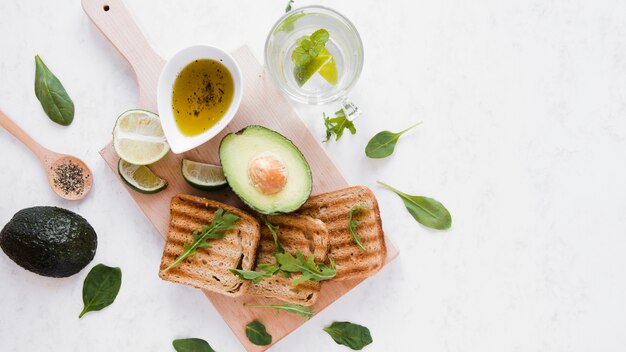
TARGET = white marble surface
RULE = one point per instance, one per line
(524, 140)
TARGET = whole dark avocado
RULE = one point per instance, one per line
(49, 241)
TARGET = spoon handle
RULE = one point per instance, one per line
(19, 133)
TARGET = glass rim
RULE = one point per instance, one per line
(300, 98)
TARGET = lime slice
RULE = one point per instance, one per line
(203, 176)
(140, 178)
(304, 73)
(329, 71)
(138, 137)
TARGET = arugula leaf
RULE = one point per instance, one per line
(52, 95)
(352, 224)
(192, 345)
(348, 334)
(274, 230)
(309, 47)
(100, 288)
(427, 211)
(267, 270)
(256, 333)
(337, 125)
(383, 143)
(288, 8)
(290, 308)
(222, 222)
(308, 268)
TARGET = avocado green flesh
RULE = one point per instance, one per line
(237, 150)
(49, 241)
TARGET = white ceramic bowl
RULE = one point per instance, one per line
(179, 142)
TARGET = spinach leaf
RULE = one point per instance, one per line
(426, 211)
(53, 98)
(257, 334)
(100, 287)
(337, 125)
(222, 222)
(309, 269)
(192, 345)
(267, 270)
(348, 334)
(288, 8)
(383, 143)
(352, 224)
(290, 308)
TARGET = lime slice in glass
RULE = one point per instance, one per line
(138, 137)
(140, 178)
(203, 176)
(329, 71)
(323, 61)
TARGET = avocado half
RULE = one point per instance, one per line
(239, 153)
(49, 241)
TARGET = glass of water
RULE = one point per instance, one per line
(344, 44)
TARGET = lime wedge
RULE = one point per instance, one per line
(140, 178)
(329, 71)
(203, 176)
(138, 137)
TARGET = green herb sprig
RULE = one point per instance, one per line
(278, 247)
(303, 311)
(383, 143)
(427, 211)
(348, 334)
(288, 7)
(52, 95)
(309, 47)
(100, 288)
(267, 270)
(307, 267)
(222, 222)
(352, 224)
(337, 125)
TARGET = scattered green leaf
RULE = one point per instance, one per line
(309, 269)
(192, 345)
(267, 270)
(222, 222)
(288, 8)
(100, 288)
(383, 143)
(348, 334)
(426, 211)
(274, 231)
(257, 334)
(288, 23)
(290, 308)
(352, 224)
(52, 95)
(337, 125)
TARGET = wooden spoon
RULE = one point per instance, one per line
(59, 167)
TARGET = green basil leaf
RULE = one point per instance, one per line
(257, 334)
(100, 288)
(427, 211)
(192, 345)
(348, 334)
(383, 143)
(53, 98)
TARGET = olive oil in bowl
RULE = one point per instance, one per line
(202, 94)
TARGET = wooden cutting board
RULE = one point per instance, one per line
(262, 104)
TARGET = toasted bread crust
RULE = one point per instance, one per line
(333, 209)
(209, 267)
(295, 233)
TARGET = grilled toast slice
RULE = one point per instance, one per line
(209, 267)
(295, 233)
(333, 209)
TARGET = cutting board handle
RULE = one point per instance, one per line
(114, 19)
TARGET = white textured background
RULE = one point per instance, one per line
(524, 140)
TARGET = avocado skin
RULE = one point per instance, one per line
(49, 241)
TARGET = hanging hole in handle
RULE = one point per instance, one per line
(106, 8)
